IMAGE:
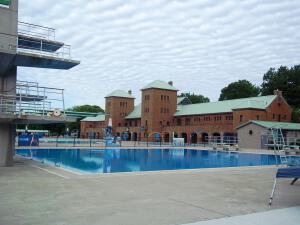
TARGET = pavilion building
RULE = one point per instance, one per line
(162, 112)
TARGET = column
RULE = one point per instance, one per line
(7, 146)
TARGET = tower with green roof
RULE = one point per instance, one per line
(159, 101)
(118, 105)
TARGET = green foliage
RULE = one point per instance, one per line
(195, 98)
(239, 89)
(82, 108)
(296, 115)
(286, 80)
(87, 108)
(60, 129)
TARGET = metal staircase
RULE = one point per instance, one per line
(279, 145)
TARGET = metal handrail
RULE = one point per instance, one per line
(34, 30)
(40, 47)
(32, 99)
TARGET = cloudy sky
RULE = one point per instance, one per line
(201, 45)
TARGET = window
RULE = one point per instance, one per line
(257, 117)
(250, 132)
(168, 123)
(178, 122)
(187, 121)
(241, 118)
(279, 118)
(119, 124)
(161, 97)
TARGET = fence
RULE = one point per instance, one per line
(34, 39)
(79, 142)
(32, 99)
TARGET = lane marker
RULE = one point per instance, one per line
(51, 172)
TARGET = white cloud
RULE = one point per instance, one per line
(200, 45)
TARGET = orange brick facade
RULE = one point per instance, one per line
(92, 129)
(157, 116)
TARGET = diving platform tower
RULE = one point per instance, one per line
(22, 102)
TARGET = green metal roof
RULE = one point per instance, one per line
(119, 93)
(180, 99)
(270, 124)
(98, 118)
(81, 114)
(32, 131)
(136, 113)
(159, 84)
(261, 102)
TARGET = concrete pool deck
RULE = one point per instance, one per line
(36, 194)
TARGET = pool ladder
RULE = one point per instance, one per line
(279, 145)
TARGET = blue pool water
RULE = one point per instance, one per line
(129, 160)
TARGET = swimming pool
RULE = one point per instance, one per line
(130, 160)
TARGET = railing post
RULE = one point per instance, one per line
(74, 141)
(41, 49)
(20, 103)
(56, 141)
(90, 142)
(44, 97)
(147, 141)
(63, 100)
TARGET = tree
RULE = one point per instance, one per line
(59, 129)
(239, 89)
(82, 108)
(86, 108)
(195, 98)
(286, 80)
(296, 115)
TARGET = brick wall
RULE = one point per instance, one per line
(158, 108)
(92, 127)
(117, 109)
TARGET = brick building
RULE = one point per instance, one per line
(162, 112)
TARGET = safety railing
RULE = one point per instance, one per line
(290, 142)
(32, 99)
(37, 31)
(67, 141)
(39, 47)
(44, 48)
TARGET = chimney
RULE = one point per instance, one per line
(170, 83)
(278, 93)
(130, 92)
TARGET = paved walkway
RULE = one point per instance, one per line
(290, 216)
(35, 194)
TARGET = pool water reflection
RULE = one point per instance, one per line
(129, 160)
